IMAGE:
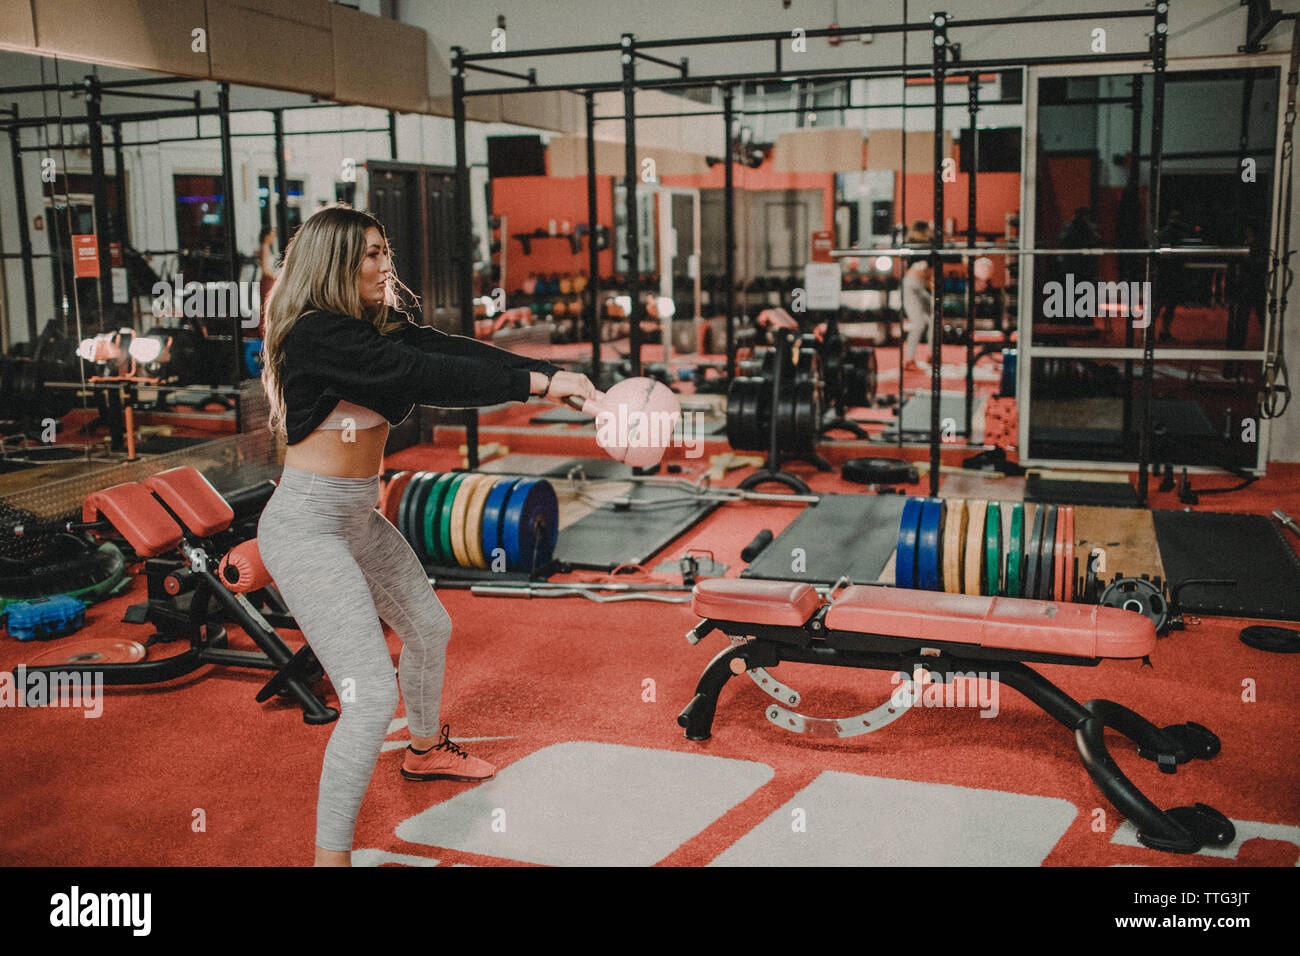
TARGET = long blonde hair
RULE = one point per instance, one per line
(322, 264)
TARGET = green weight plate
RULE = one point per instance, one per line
(1015, 548)
(444, 517)
(432, 508)
(993, 549)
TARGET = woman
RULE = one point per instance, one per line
(341, 365)
(918, 303)
(266, 262)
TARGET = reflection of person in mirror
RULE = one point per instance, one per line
(266, 262)
(1171, 275)
(1247, 291)
(918, 303)
(1080, 233)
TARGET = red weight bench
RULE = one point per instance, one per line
(177, 514)
(951, 636)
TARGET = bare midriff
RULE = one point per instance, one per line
(326, 452)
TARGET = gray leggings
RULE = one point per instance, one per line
(340, 567)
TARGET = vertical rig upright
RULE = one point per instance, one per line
(972, 167)
(593, 230)
(939, 41)
(1159, 41)
(463, 258)
(729, 227)
(628, 43)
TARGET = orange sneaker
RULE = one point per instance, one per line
(445, 761)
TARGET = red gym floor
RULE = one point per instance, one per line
(576, 704)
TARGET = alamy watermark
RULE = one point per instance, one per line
(657, 429)
(210, 300)
(960, 689)
(1089, 299)
(71, 689)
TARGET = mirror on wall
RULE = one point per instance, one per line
(1093, 169)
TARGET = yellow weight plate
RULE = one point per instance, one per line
(976, 510)
(954, 545)
(458, 509)
(474, 522)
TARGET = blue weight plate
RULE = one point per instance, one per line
(929, 546)
(530, 524)
(493, 515)
(908, 528)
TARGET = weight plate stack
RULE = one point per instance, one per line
(418, 491)
(929, 546)
(391, 495)
(444, 518)
(404, 505)
(993, 550)
(1015, 549)
(834, 363)
(459, 510)
(1033, 554)
(430, 525)
(1058, 556)
(493, 517)
(1048, 566)
(878, 471)
(474, 522)
(747, 413)
(975, 570)
(531, 525)
(954, 541)
(1140, 595)
(908, 529)
(1070, 570)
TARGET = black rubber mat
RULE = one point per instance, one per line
(607, 538)
(1113, 494)
(1249, 549)
(850, 535)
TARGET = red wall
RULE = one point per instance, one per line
(998, 194)
(530, 203)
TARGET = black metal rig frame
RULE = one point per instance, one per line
(95, 90)
(945, 55)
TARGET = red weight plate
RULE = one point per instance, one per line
(392, 496)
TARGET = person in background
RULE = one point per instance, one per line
(1247, 293)
(266, 261)
(918, 303)
(1171, 274)
(1080, 233)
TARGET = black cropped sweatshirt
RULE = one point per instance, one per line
(328, 357)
